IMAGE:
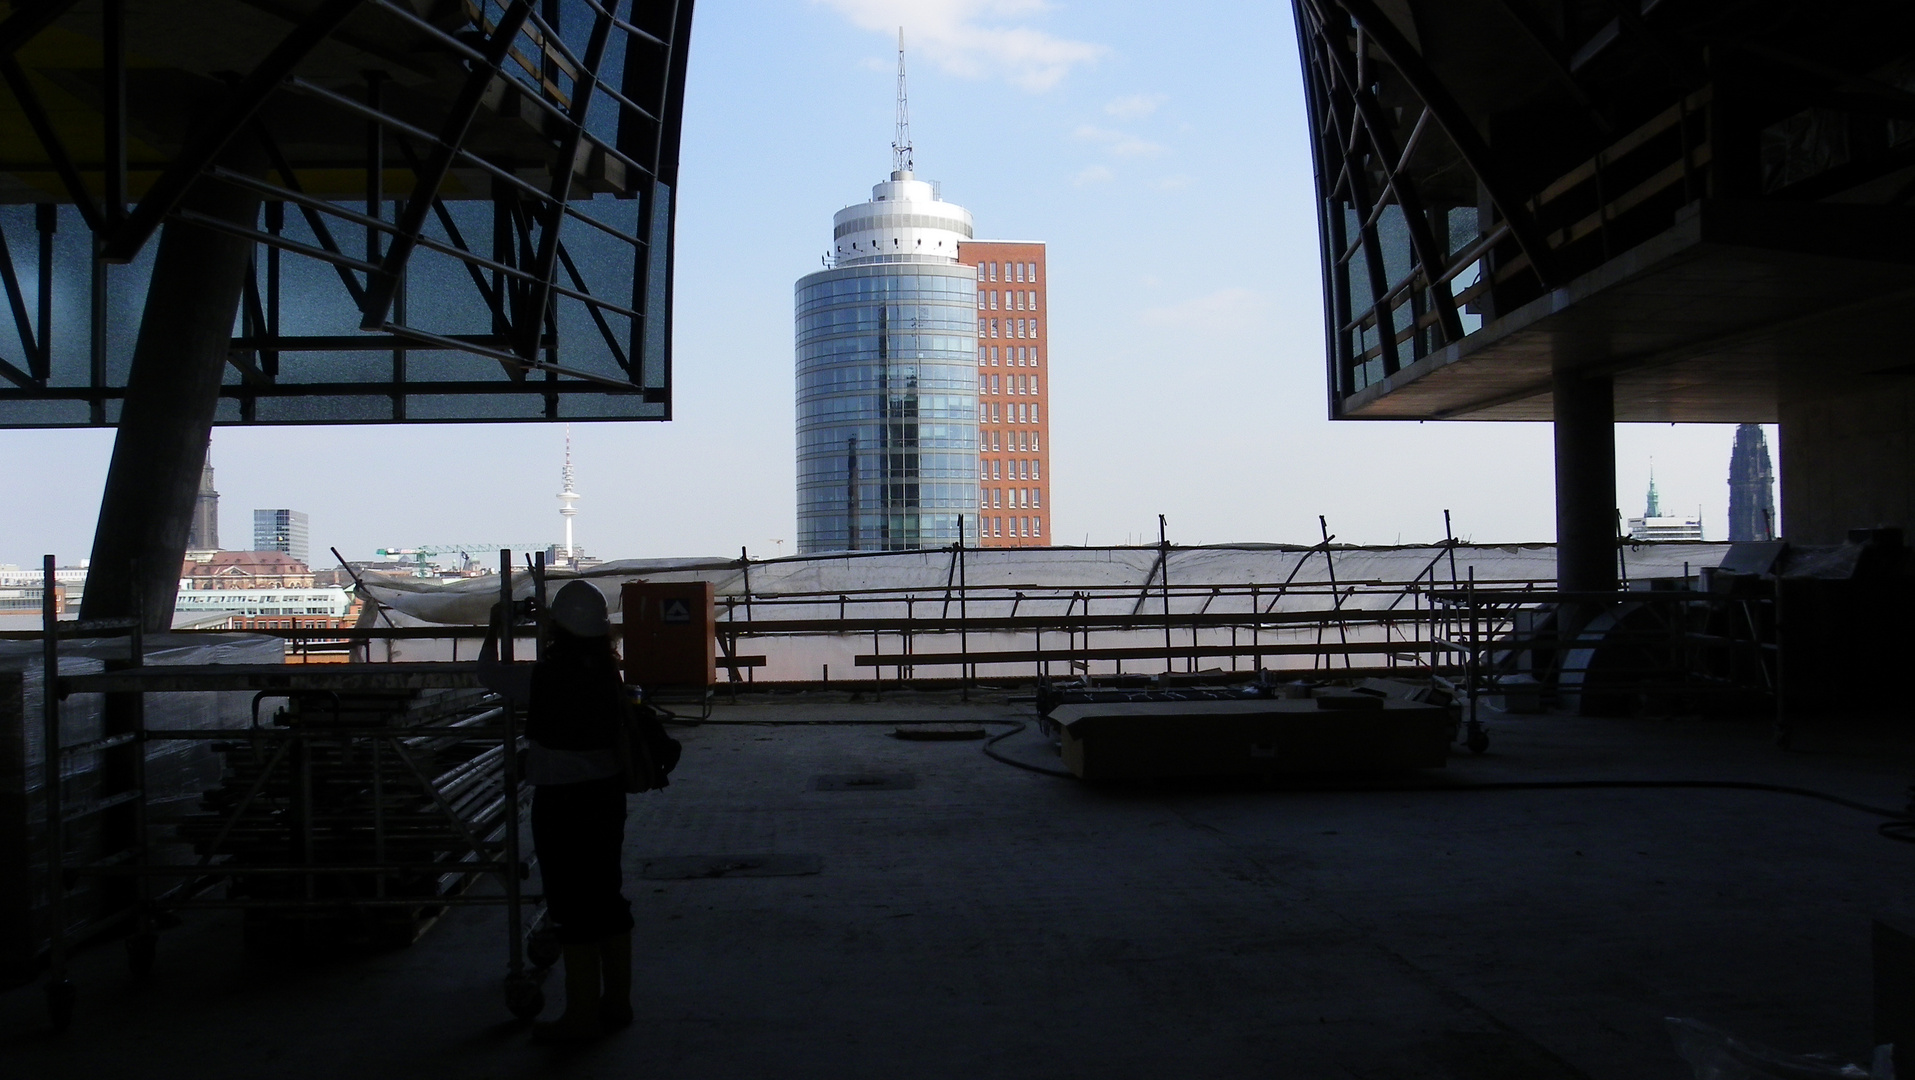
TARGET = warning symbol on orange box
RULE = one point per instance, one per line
(676, 611)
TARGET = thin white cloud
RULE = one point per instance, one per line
(1225, 308)
(1096, 174)
(1118, 143)
(1134, 107)
(1172, 183)
(976, 38)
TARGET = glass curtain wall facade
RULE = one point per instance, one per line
(282, 530)
(887, 405)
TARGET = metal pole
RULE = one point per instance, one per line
(1336, 592)
(1449, 541)
(308, 856)
(59, 991)
(538, 604)
(1784, 731)
(509, 768)
(1163, 559)
(964, 625)
(1471, 655)
(744, 563)
(142, 941)
(379, 813)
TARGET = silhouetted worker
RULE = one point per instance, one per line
(586, 750)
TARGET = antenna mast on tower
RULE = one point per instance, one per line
(901, 142)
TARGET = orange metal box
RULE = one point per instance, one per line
(669, 634)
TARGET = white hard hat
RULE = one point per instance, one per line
(580, 609)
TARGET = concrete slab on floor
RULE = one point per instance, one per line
(990, 922)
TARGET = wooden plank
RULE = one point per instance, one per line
(1028, 656)
(1059, 623)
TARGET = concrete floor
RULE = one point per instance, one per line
(991, 922)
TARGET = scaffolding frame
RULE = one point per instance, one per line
(1698, 643)
(471, 856)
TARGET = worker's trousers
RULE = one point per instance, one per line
(579, 833)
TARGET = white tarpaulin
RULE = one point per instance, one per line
(1046, 576)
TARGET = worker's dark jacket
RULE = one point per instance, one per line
(579, 828)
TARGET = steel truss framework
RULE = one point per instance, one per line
(429, 247)
(1472, 158)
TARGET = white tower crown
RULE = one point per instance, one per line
(905, 221)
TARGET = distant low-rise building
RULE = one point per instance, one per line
(27, 599)
(20, 589)
(245, 570)
(555, 555)
(248, 609)
(1655, 525)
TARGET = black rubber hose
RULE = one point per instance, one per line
(1016, 726)
(1013, 762)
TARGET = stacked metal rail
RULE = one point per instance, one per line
(355, 817)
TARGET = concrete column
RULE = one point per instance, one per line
(1585, 483)
(172, 390)
(1847, 459)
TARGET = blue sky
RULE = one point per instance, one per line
(1158, 149)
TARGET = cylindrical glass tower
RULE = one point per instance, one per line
(887, 378)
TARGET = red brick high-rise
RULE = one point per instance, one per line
(1013, 392)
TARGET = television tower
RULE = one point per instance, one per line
(568, 496)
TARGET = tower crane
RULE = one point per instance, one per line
(423, 555)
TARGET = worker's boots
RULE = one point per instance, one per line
(615, 958)
(581, 1018)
